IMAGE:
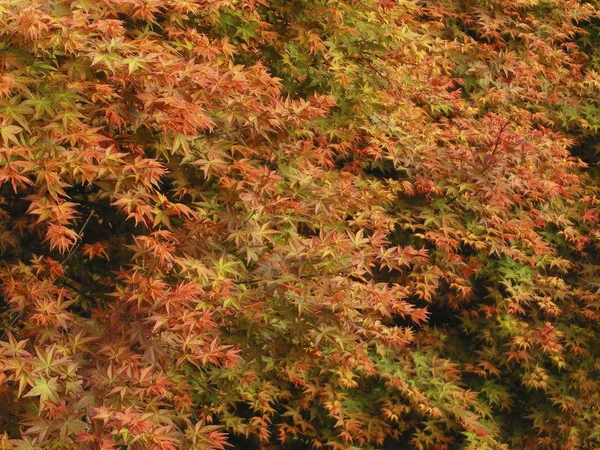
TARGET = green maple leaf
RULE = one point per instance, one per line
(46, 389)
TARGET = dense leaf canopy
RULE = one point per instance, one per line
(299, 224)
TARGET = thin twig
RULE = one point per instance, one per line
(80, 234)
(497, 143)
(232, 243)
(301, 277)
(76, 289)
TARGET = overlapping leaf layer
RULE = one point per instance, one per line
(299, 224)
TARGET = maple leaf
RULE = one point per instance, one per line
(61, 237)
(97, 249)
(45, 388)
(9, 134)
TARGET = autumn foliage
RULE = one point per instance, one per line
(294, 224)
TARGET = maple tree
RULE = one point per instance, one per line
(299, 224)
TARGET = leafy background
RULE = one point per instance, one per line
(299, 224)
